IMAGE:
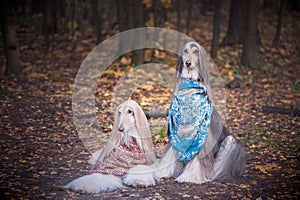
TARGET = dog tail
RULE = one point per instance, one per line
(95, 183)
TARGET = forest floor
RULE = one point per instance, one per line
(41, 149)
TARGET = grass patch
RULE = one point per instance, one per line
(161, 135)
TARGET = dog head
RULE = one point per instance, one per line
(191, 62)
(126, 122)
(130, 121)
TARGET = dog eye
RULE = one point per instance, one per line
(185, 51)
(130, 111)
(196, 51)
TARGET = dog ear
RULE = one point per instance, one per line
(200, 65)
(144, 131)
(179, 65)
(179, 68)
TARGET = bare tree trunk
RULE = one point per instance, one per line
(179, 10)
(131, 15)
(73, 7)
(216, 30)
(54, 7)
(251, 42)
(10, 40)
(268, 4)
(36, 6)
(96, 18)
(62, 7)
(50, 21)
(206, 5)
(45, 24)
(278, 29)
(99, 24)
(122, 6)
(293, 5)
(188, 20)
(236, 25)
(138, 21)
(94, 12)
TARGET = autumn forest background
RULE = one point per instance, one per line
(255, 45)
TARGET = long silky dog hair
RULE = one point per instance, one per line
(203, 75)
(143, 130)
(203, 68)
(139, 128)
(219, 142)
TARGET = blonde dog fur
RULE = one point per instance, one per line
(130, 121)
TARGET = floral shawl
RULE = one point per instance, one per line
(189, 120)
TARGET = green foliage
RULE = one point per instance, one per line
(161, 135)
(163, 132)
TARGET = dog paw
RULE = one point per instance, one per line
(139, 176)
(194, 172)
(191, 179)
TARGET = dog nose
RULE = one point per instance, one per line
(188, 63)
(121, 128)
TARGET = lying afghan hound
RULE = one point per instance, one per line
(130, 144)
(201, 148)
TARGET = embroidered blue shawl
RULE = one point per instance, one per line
(189, 120)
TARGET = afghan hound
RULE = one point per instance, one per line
(202, 150)
(130, 145)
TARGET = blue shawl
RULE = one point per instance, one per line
(189, 120)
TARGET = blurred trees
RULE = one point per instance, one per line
(216, 29)
(278, 27)
(251, 38)
(131, 15)
(108, 17)
(236, 25)
(9, 36)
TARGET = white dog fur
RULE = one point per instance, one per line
(95, 183)
(140, 175)
(130, 120)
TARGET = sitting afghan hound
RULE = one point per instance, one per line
(201, 148)
(130, 145)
